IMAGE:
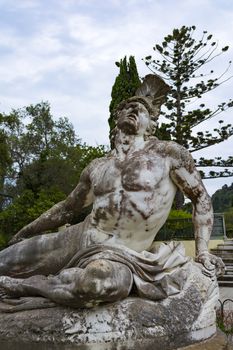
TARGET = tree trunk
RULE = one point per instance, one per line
(179, 200)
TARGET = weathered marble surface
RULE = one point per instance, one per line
(217, 342)
(177, 321)
(132, 190)
(124, 322)
(109, 257)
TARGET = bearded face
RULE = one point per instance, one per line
(133, 119)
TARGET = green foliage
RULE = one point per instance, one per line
(26, 208)
(88, 153)
(125, 85)
(176, 220)
(228, 215)
(177, 227)
(222, 199)
(179, 214)
(40, 147)
(41, 137)
(45, 163)
(180, 59)
(5, 159)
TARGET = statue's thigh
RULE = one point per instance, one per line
(43, 254)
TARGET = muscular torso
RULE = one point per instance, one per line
(133, 198)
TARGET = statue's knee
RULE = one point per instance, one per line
(95, 277)
(107, 280)
(99, 269)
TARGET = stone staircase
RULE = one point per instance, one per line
(225, 251)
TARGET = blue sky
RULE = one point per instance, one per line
(63, 51)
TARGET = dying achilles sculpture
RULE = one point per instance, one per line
(111, 254)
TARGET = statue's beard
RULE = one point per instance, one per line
(128, 125)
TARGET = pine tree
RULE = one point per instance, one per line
(181, 65)
(125, 86)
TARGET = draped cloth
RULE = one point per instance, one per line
(157, 274)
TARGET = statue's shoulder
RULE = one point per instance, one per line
(176, 151)
(166, 148)
(98, 161)
(178, 155)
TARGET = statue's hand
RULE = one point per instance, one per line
(213, 265)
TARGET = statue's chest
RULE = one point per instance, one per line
(137, 173)
(143, 173)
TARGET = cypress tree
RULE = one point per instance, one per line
(125, 86)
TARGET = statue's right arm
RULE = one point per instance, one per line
(62, 212)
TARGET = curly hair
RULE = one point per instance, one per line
(150, 131)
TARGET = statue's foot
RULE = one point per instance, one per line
(25, 303)
(3, 294)
(9, 286)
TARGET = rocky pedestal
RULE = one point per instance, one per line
(133, 323)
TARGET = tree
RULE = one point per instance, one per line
(182, 66)
(125, 86)
(46, 160)
(228, 215)
(34, 136)
(222, 199)
(5, 159)
(24, 209)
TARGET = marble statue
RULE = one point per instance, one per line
(111, 254)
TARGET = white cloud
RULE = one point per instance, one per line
(64, 51)
(13, 5)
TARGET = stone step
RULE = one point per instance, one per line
(228, 272)
(224, 247)
(220, 253)
(228, 241)
(226, 284)
(225, 278)
(228, 259)
(230, 250)
(228, 269)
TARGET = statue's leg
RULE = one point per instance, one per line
(43, 254)
(101, 281)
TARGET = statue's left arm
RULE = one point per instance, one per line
(185, 175)
(62, 212)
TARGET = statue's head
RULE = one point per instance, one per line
(134, 117)
(139, 114)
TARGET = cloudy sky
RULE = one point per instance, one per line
(63, 51)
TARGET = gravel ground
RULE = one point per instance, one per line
(218, 342)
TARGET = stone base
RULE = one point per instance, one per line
(217, 342)
(133, 323)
